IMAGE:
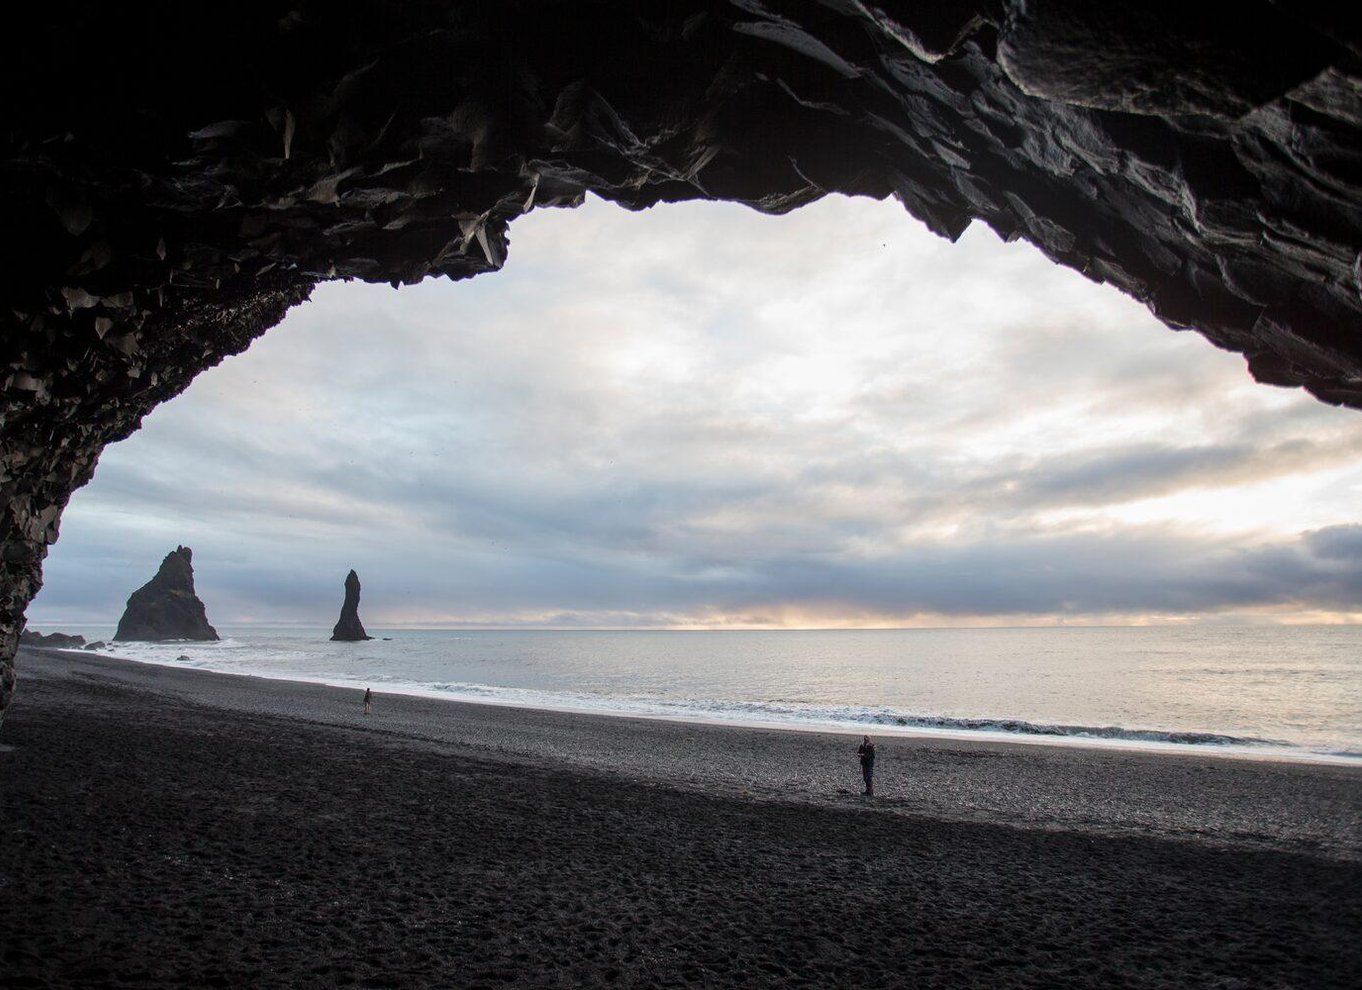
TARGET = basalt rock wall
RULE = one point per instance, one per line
(177, 175)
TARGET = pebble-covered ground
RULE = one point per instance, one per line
(175, 828)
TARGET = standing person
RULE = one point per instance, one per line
(867, 754)
(368, 700)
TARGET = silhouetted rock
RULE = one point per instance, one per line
(166, 606)
(58, 641)
(349, 629)
(98, 644)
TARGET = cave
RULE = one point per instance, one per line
(178, 176)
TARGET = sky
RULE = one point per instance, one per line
(698, 416)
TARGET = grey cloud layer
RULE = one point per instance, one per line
(727, 421)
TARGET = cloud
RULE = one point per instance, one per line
(1141, 471)
(701, 414)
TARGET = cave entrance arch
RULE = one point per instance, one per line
(177, 178)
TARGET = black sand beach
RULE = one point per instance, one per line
(166, 827)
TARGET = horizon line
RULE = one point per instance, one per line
(1340, 619)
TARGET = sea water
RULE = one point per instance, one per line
(1290, 691)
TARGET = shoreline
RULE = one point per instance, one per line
(1265, 751)
(167, 827)
(1019, 782)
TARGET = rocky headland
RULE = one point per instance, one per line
(52, 641)
(166, 607)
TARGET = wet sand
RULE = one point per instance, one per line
(167, 827)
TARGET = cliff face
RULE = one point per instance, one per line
(166, 607)
(176, 176)
(348, 628)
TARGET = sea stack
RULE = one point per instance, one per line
(166, 606)
(349, 629)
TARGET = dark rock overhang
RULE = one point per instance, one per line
(177, 175)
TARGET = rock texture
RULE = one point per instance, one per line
(56, 640)
(348, 628)
(166, 607)
(176, 176)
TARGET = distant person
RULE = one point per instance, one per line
(368, 700)
(867, 754)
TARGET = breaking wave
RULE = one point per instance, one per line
(660, 677)
(795, 714)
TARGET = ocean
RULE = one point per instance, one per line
(1279, 691)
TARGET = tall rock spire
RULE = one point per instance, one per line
(348, 628)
